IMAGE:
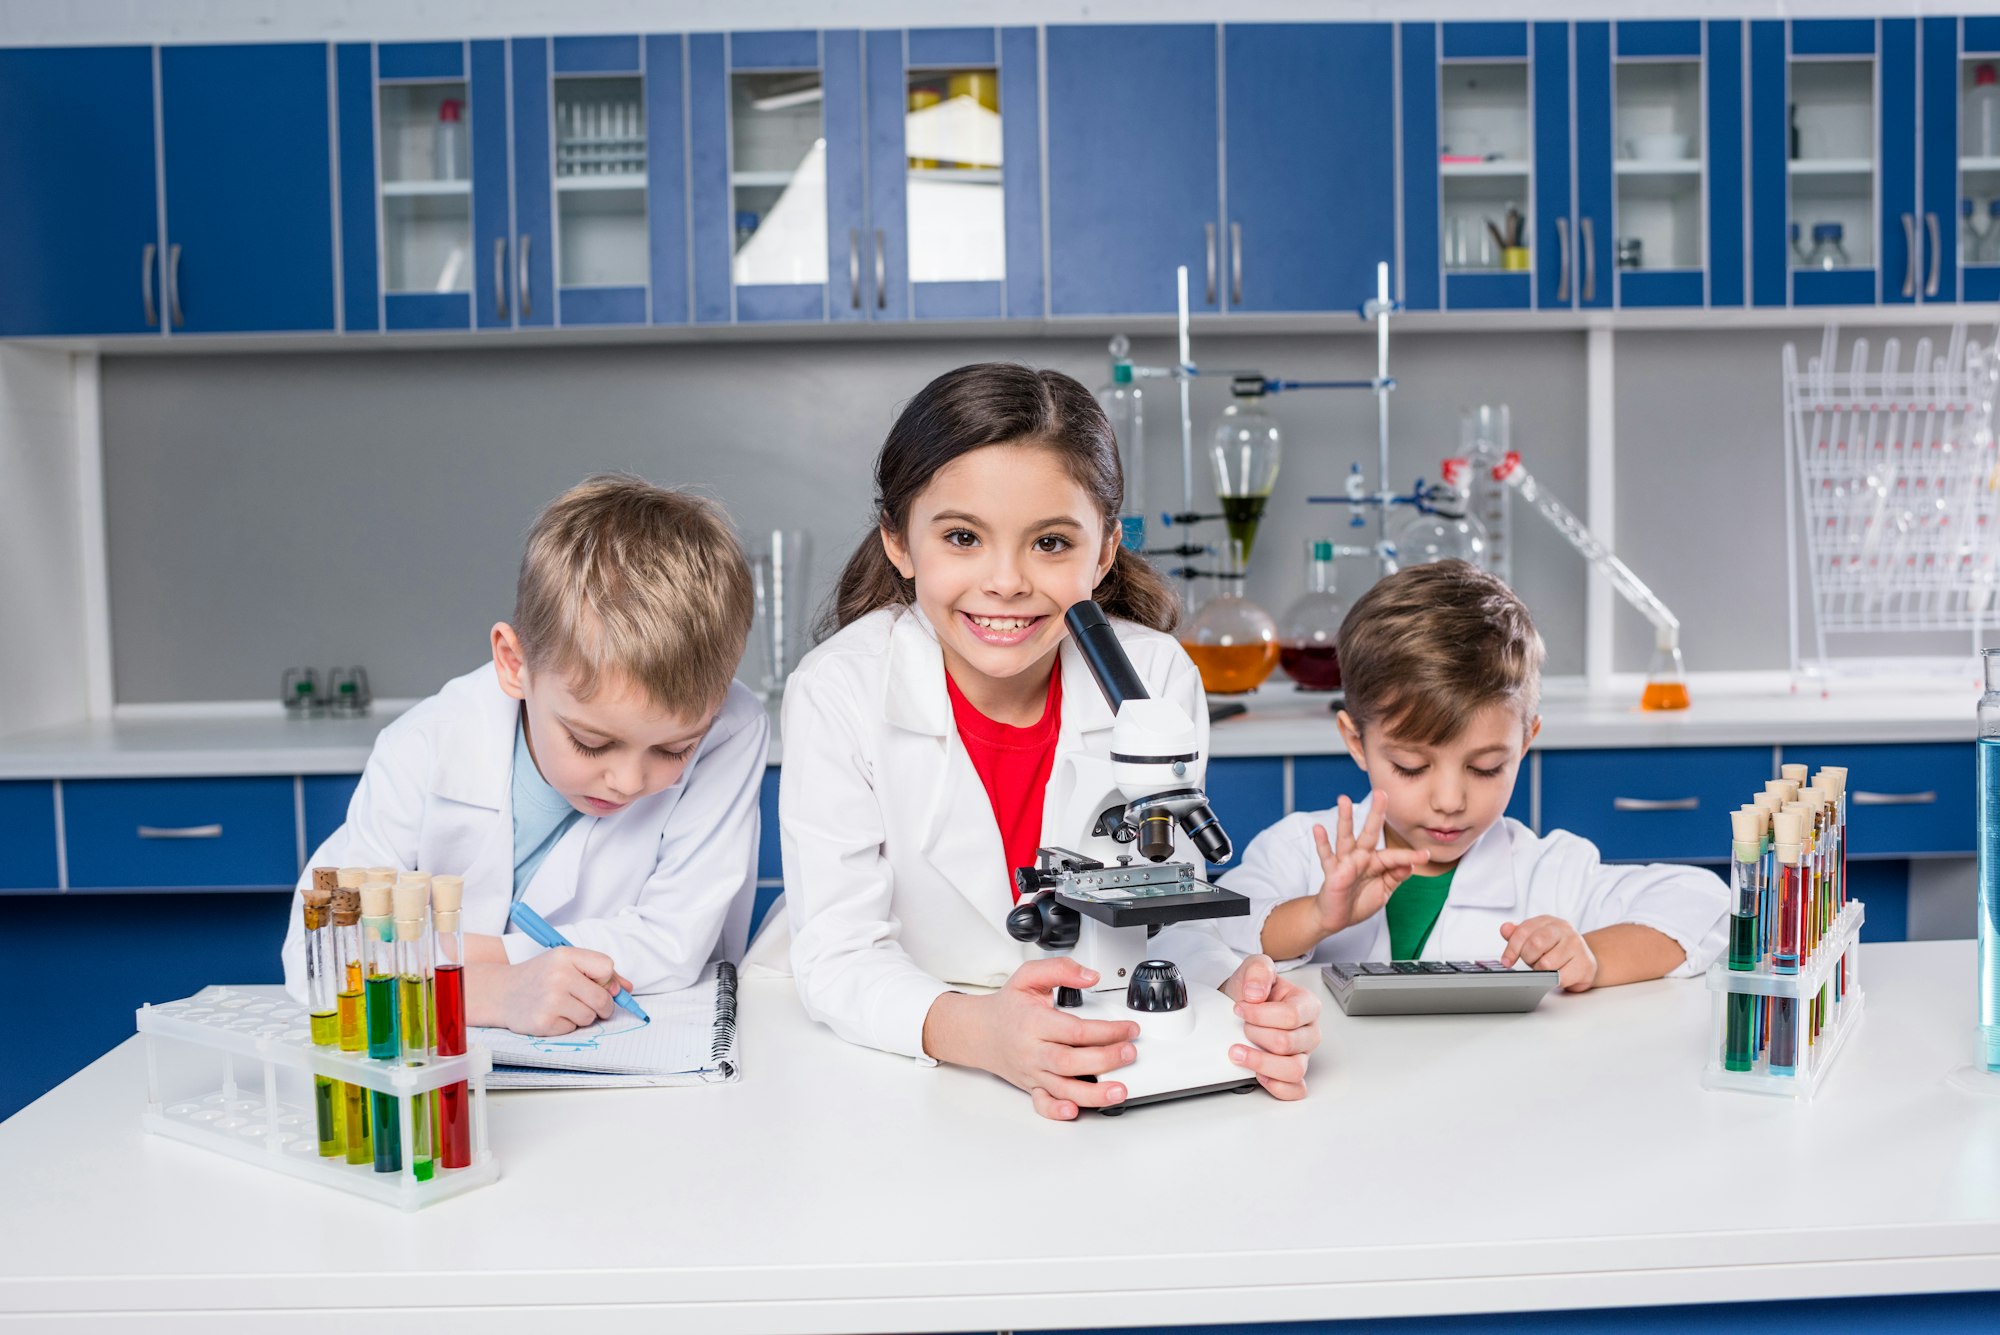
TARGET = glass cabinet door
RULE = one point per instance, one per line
(1961, 158)
(601, 173)
(1659, 157)
(426, 186)
(1485, 166)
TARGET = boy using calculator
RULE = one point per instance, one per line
(1442, 668)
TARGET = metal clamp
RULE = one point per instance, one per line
(1236, 263)
(1910, 241)
(146, 283)
(1562, 262)
(521, 244)
(180, 831)
(854, 268)
(1937, 250)
(1862, 798)
(881, 275)
(1589, 247)
(1655, 804)
(1208, 231)
(499, 277)
(174, 283)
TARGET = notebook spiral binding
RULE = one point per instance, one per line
(725, 1019)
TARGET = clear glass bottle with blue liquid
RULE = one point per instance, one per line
(1989, 865)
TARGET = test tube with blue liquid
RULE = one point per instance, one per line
(1989, 865)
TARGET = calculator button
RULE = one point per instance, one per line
(1464, 966)
(1434, 966)
(1406, 966)
(1342, 971)
(1376, 968)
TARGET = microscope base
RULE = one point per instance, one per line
(1181, 1053)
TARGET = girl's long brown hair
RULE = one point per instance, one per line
(996, 403)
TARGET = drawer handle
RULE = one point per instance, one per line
(180, 831)
(1867, 799)
(1655, 804)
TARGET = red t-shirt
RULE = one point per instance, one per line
(1014, 764)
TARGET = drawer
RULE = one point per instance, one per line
(1319, 781)
(28, 835)
(1665, 804)
(138, 833)
(325, 798)
(770, 854)
(1247, 794)
(1904, 800)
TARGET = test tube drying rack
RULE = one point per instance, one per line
(261, 1125)
(1816, 975)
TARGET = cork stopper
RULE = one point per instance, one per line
(1812, 797)
(411, 898)
(388, 874)
(1795, 773)
(415, 878)
(375, 899)
(447, 893)
(346, 906)
(1791, 834)
(326, 878)
(1833, 779)
(1786, 789)
(316, 904)
(1745, 827)
(350, 878)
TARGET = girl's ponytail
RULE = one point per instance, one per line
(1134, 590)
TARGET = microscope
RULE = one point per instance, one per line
(1098, 903)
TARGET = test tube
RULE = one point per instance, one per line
(1746, 859)
(353, 1029)
(1789, 838)
(329, 1107)
(379, 1008)
(1767, 918)
(413, 967)
(454, 1119)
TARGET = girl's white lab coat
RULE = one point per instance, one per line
(661, 887)
(1508, 875)
(896, 885)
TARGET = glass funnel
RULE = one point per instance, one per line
(1309, 631)
(1233, 641)
(1244, 449)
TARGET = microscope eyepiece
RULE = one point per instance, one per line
(1103, 655)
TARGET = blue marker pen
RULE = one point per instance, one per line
(542, 934)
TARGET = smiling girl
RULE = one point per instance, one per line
(920, 736)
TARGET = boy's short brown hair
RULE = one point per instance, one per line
(621, 576)
(1432, 645)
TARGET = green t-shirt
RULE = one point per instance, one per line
(1413, 910)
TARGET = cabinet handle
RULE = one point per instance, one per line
(174, 283)
(1863, 798)
(521, 243)
(146, 284)
(1931, 226)
(180, 831)
(1208, 230)
(854, 268)
(1655, 804)
(1562, 259)
(1910, 242)
(1589, 248)
(499, 277)
(881, 275)
(1236, 263)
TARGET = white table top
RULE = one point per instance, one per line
(1281, 722)
(1569, 1158)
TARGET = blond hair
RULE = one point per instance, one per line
(621, 576)
(1430, 646)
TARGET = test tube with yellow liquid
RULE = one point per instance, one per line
(350, 1026)
(329, 1097)
(413, 1007)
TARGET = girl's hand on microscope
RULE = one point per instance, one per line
(1281, 1019)
(1020, 1035)
(1359, 876)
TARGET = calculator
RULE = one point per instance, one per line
(1437, 987)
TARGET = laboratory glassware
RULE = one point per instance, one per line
(1309, 631)
(448, 152)
(1485, 437)
(1124, 406)
(301, 692)
(1631, 252)
(1971, 233)
(347, 691)
(1232, 640)
(414, 1014)
(1990, 250)
(1799, 252)
(1448, 533)
(1827, 250)
(1982, 104)
(1245, 449)
(1989, 864)
(778, 583)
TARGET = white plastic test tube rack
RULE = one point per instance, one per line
(263, 1038)
(1815, 1053)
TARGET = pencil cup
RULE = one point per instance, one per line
(1514, 257)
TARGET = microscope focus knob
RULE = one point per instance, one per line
(1156, 986)
(1043, 922)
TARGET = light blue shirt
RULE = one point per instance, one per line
(541, 815)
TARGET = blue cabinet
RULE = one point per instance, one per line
(324, 799)
(195, 833)
(1651, 805)
(1961, 261)
(79, 215)
(1247, 794)
(28, 836)
(1903, 800)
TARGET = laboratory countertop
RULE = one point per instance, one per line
(1280, 722)
(1567, 1158)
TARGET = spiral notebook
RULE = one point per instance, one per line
(691, 1040)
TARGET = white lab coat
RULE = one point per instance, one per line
(896, 884)
(662, 886)
(1509, 874)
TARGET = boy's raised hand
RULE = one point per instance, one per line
(1545, 942)
(1359, 876)
(555, 992)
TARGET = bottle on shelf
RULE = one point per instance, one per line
(1827, 251)
(1233, 641)
(1245, 449)
(1124, 405)
(1989, 250)
(1309, 631)
(1971, 233)
(448, 162)
(1799, 251)
(1982, 104)
(1448, 532)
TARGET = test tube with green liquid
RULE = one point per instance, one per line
(1746, 864)
(379, 1008)
(413, 1005)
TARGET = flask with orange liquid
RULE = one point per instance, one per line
(1233, 641)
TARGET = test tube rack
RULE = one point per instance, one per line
(1814, 980)
(258, 1126)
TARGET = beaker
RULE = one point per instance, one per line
(1309, 631)
(1233, 641)
(1244, 448)
(777, 629)
(1666, 675)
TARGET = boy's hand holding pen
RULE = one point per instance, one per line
(557, 991)
(1360, 877)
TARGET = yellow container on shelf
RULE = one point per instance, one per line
(982, 86)
(1514, 257)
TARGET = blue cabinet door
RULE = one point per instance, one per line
(1591, 239)
(1554, 252)
(1132, 168)
(1938, 155)
(534, 228)
(28, 847)
(1501, 88)
(1247, 794)
(666, 178)
(246, 144)
(1311, 180)
(200, 833)
(79, 214)
(325, 799)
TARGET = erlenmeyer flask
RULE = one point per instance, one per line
(1233, 641)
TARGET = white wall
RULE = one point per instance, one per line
(42, 649)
